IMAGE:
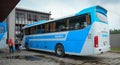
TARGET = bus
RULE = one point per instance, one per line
(85, 33)
(3, 35)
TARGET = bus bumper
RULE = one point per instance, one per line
(101, 50)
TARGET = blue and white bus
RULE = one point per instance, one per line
(85, 33)
(3, 35)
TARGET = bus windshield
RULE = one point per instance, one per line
(102, 17)
(1, 29)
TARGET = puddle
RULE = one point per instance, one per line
(41, 56)
(2, 52)
(31, 58)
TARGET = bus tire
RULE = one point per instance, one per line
(59, 50)
(27, 46)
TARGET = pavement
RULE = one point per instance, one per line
(45, 58)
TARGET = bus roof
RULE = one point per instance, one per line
(79, 13)
(91, 9)
(6, 7)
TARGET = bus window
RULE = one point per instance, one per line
(27, 31)
(87, 19)
(77, 25)
(35, 30)
(40, 29)
(31, 30)
(52, 27)
(1, 29)
(46, 28)
(79, 22)
(102, 17)
(67, 23)
(61, 25)
(74, 23)
(61, 28)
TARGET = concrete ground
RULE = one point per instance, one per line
(44, 58)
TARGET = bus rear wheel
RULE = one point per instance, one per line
(59, 50)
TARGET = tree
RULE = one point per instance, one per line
(115, 31)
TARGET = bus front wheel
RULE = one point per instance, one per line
(59, 50)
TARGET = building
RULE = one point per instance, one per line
(19, 17)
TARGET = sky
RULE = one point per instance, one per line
(60, 8)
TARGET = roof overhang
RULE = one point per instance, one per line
(6, 6)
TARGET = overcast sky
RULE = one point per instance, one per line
(60, 8)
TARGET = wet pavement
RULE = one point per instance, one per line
(29, 58)
(45, 58)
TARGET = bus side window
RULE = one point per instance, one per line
(61, 25)
(52, 27)
(40, 29)
(88, 19)
(77, 25)
(46, 28)
(31, 31)
(27, 31)
(82, 25)
(85, 24)
(61, 28)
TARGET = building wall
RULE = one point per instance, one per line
(115, 40)
(24, 16)
(19, 18)
(11, 25)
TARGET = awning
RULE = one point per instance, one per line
(6, 7)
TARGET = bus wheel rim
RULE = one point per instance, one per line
(59, 51)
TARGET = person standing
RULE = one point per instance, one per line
(17, 45)
(11, 45)
(20, 47)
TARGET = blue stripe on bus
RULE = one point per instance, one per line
(46, 37)
(76, 40)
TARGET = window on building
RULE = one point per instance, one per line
(29, 18)
(20, 18)
(17, 27)
(35, 17)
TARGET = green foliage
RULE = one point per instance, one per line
(115, 31)
(115, 49)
